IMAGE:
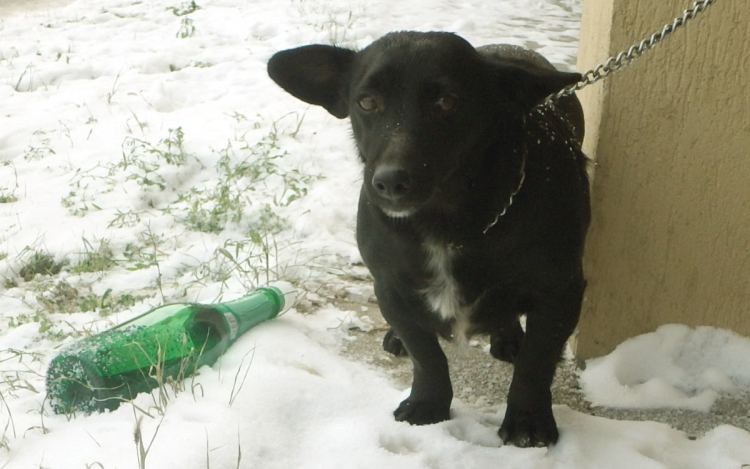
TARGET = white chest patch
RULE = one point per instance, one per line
(442, 292)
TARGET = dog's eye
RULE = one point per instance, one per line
(368, 103)
(447, 102)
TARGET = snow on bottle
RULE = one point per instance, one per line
(169, 342)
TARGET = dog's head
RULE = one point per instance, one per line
(423, 106)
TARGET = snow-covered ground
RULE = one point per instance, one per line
(145, 158)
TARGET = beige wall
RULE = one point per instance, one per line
(670, 235)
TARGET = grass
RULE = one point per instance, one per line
(235, 197)
(250, 262)
(141, 449)
(13, 383)
(244, 169)
(108, 303)
(146, 252)
(187, 29)
(53, 294)
(79, 203)
(184, 8)
(123, 219)
(249, 186)
(144, 161)
(96, 258)
(41, 263)
(58, 296)
(30, 74)
(164, 188)
(238, 383)
(7, 197)
(187, 26)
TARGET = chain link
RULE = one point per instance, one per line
(613, 64)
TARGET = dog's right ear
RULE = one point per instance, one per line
(316, 74)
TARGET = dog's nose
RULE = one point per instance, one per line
(391, 182)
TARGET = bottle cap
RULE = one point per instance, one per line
(288, 292)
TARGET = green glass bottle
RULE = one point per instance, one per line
(172, 341)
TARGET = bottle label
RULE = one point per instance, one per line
(233, 326)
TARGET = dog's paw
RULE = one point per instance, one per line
(392, 344)
(422, 412)
(505, 347)
(529, 429)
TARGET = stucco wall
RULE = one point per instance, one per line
(670, 235)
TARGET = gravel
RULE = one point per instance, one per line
(482, 383)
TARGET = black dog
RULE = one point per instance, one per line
(474, 206)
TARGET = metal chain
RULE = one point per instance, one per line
(613, 64)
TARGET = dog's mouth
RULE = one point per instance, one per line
(415, 202)
(400, 192)
(396, 198)
(399, 213)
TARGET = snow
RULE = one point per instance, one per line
(119, 135)
(674, 366)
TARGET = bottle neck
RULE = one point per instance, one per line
(249, 311)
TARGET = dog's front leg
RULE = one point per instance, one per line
(431, 392)
(528, 418)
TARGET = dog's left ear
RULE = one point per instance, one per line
(316, 74)
(528, 86)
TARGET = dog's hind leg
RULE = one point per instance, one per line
(506, 340)
(497, 314)
(393, 345)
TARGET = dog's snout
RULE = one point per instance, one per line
(391, 182)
